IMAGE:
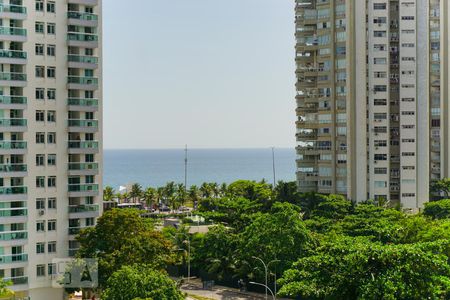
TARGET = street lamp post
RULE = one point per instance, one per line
(267, 288)
(189, 258)
(266, 269)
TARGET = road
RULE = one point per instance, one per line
(221, 293)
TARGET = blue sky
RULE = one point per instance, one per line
(207, 73)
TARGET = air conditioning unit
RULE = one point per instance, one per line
(42, 212)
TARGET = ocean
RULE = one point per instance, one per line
(157, 167)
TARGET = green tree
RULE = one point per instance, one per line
(278, 235)
(4, 290)
(141, 281)
(287, 192)
(108, 193)
(170, 193)
(442, 186)
(150, 196)
(205, 190)
(121, 237)
(260, 192)
(438, 209)
(194, 194)
(181, 195)
(356, 268)
(136, 192)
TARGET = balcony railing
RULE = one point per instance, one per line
(16, 235)
(83, 102)
(13, 76)
(83, 59)
(83, 123)
(16, 212)
(83, 187)
(13, 122)
(13, 190)
(83, 144)
(13, 168)
(13, 31)
(83, 208)
(83, 166)
(17, 9)
(83, 80)
(82, 37)
(17, 280)
(8, 145)
(82, 16)
(7, 259)
(12, 54)
(13, 100)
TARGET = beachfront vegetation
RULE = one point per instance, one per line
(322, 246)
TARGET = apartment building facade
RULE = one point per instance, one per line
(372, 91)
(50, 136)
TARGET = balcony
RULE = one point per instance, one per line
(13, 102)
(83, 190)
(13, 147)
(87, 40)
(13, 57)
(85, 2)
(82, 62)
(17, 280)
(13, 193)
(13, 79)
(13, 125)
(15, 235)
(83, 147)
(83, 168)
(13, 34)
(13, 212)
(82, 19)
(77, 125)
(84, 211)
(82, 83)
(13, 170)
(82, 104)
(14, 258)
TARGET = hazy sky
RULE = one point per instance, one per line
(207, 73)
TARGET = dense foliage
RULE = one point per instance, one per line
(317, 246)
(141, 282)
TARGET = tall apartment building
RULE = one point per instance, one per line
(50, 136)
(372, 98)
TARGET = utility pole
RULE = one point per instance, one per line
(185, 167)
(273, 167)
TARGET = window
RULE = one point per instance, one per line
(51, 94)
(40, 248)
(39, 48)
(51, 116)
(380, 184)
(40, 270)
(40, 160)
(40, 138)
(90, 221)
(40, 116)
(51, 159)
(40, 181)
(51, 28)
(51, 203)
(379, 102)
(39, 5)
(51, 50)
(51, 181)
(379, 60)
(52, 266)
(40, 203)
(380, 171)
(379, 6)
(50, 6)
(40, 226)
(51, 226)
(408, 154)
(51, 72)
(40, 94)
(39, 27)
(51, 137)
(380, 156)
(40, 71)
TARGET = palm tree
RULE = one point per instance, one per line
(160, 194)
(108, 193)
(181, 194)
(194, 194)
(125, 197)
(205, 190)
(136, 192)
(169, 192)
(215, 189)
(150, 196)
(223, 189)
